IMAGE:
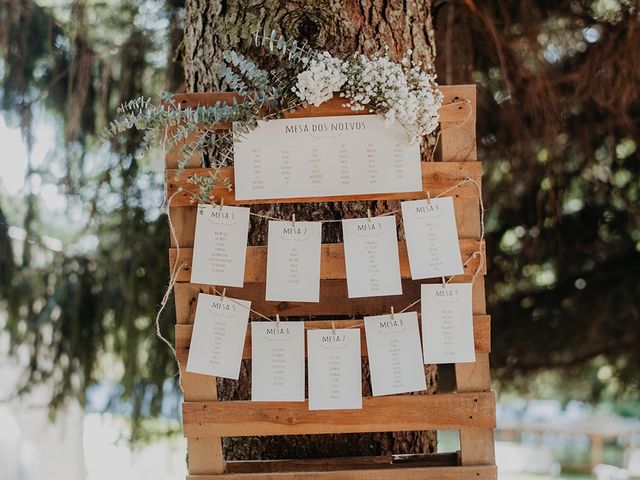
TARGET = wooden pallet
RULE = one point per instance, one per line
(471, 410)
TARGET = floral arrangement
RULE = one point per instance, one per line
(402, 92)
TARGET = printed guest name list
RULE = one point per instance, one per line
(323, 157)
(220, 245)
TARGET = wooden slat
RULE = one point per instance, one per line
(204, 454)
(437, 177)
(333, 300)
(476, 444)
(333, 106)
(458, 138)
(459, 142)
(445, 459)
(467, 212)
(332, 264)
(378, 414)
(405, 473)
(481, 332)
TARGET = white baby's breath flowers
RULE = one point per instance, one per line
(323, 77)
(401, 92)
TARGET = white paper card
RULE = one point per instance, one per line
(395, 353)
(293, 261)
(277, 361)
(325, 156)
(335, 377)
(217, 340)
(447, 323)
(432, 238)
(371, 256)
(220, 245)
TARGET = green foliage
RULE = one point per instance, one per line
(558, 129)
(85, 313)
(265, 95)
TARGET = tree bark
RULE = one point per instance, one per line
(343, 28)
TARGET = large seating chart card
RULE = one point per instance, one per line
(395, 353)
(335, 375)
(277, 361)
(220, 245)
(217, 341)
(325, 156)
(447, 323)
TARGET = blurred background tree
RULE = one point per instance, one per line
(558, 132)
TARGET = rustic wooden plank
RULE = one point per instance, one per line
(204, 454)
(467, 212)
(458, 113)
(437, 177)
(333, 106)
(476, 444)
(404, 473)
(481, 332)
(459, 142)
(332, 264)
(333, 300)
(378, 414)
(446, 459)
(458, 138)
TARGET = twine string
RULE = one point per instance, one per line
(172, 281)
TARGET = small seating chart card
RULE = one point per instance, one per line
(293, 261)
(335, 376)
(220, 245)
(432, 238)
(447, 323)
(371, 256)
(395, 354)
(325, 156)
(217, 341)
(277, 361)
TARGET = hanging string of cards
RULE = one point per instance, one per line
(396, 356)
(397, 347)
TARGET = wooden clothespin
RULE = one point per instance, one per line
(333, 327)
(369, 214)
(443, 282)
(428, 197)
(221, 202)
(293, 220)
(392, 314)
(277, 321)
(224, 294)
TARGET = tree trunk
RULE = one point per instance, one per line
(341, 27)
